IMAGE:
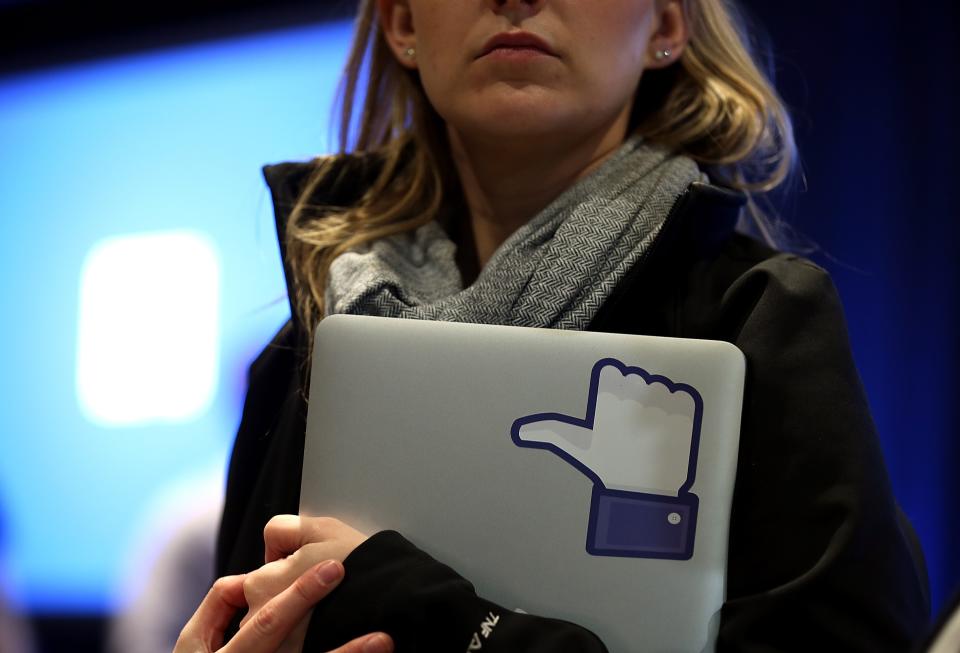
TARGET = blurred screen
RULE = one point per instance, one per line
(140, 275)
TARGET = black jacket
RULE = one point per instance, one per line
(820, 557)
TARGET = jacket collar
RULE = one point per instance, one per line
(351, 176)
(702, 219)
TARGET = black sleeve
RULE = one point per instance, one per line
(394, 587)
(264, 470)
(820, 557)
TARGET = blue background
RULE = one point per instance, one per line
(155, 142)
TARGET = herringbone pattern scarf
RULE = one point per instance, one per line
(555, 271)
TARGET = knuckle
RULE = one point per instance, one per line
(251, 587)
(324, 526)
(266, 620)
(272, 525)
(280, 523)
(220, 586)
(311, 552)
(298, 557)
(266, 582)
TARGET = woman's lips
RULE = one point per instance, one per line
(515, 53)
(517, 45)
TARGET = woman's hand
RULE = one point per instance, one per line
(294, 544)
(285, 535)
(272, 624)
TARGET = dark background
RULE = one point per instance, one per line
(874, 90)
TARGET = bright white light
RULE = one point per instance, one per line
(147, 343)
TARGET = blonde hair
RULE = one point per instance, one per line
(714, 105)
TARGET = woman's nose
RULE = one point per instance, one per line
(515, 9)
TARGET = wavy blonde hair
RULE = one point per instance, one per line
(714, 105)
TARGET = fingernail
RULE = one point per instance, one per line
(379, 643)
(329, 572)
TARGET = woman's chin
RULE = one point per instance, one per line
(519, 125)
(516, 112)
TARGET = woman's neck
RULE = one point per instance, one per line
(506, 183)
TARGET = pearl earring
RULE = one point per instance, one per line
(660, 55)
(411, 53)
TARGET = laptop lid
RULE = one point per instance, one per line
(581, 476)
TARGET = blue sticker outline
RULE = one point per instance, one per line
(684, 496)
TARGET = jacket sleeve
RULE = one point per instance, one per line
(820, 557)
(392, 586)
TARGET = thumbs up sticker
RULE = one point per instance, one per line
(638, 443)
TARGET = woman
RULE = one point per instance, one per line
(496, 138)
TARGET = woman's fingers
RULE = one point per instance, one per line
(287, 534)
(374, 643)
(281, 537)
(266, 630)
(264, 583)
(206, 627)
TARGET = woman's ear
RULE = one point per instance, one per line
(670, 36)
(396, 21)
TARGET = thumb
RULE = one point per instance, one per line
(567, 436)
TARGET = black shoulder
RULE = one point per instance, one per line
(335, 180)
(280, 351)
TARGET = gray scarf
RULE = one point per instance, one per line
(555, 271)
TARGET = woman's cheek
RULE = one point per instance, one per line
(440, 93)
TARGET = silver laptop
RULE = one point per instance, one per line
(581, 476)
